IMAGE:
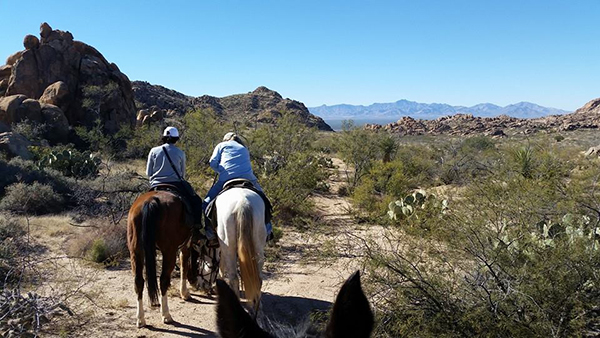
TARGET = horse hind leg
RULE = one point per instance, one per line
(184, 261)
(165, 281)
(137, 264)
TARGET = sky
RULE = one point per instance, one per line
(457, 52)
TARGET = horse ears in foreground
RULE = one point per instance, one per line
(351, 315)
(232, 320)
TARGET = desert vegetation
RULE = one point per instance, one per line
(474, 236)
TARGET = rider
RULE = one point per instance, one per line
(231, 159)
(169, 169)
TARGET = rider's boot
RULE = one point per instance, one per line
(211, 237)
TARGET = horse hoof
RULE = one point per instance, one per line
(168, 320)
(186, 295)
(141, 324)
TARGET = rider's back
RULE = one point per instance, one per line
(160, 170)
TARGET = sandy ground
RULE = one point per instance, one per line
(295, 284)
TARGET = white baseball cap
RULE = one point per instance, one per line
(230, 135)
(171, 131)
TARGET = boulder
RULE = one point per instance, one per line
(66, 73)
(45, 30)
(11, 60)
(57, 124)
(14, 144)
(3, 86)
(31, 42)
(57, 94)
(30, 110)
(10, 107)
(5, 71)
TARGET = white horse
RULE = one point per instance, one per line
(242, 235)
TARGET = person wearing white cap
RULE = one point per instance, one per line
(166, 167)
(231, 159)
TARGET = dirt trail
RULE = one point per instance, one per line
(294, 285)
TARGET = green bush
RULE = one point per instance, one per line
(105, 244)
(286, 164)
(33, 198)
(513, 256)
(359, 149)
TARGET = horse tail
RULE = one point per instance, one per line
(150, 214)
(247, 253)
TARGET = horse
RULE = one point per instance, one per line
(242, 235)
(351, 315)
(157, 220)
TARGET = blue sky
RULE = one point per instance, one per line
(330, 52)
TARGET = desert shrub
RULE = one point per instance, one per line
(359, 149)
(33, 131)
(514, 256)
(33, 198)
(558, 138)
(19, 170)
(108, 196)
(11, 244)
(287, 165)
(106, 243)
(143, 139)
(466, 160)
(201, 133)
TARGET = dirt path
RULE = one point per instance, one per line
(295, 284)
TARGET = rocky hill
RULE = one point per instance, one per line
(586, 117)
(60, 82)
(259, 106)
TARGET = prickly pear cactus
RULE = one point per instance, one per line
(406, 207)
(71, 163)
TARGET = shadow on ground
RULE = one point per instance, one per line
(291, 310)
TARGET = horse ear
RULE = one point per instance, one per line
(232, 320)
(351, 315)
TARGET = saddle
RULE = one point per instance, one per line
(191, 219)
(211, 209)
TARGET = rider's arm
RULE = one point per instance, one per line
(150, 165)
(215, 159)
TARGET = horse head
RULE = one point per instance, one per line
(351, 315)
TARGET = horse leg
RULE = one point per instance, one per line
(137, 265)
(184, 261)
(169, 258)
(228, 267)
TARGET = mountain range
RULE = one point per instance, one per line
(431, 110)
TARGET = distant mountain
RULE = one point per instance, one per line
(431, 110)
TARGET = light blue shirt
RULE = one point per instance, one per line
(231, 160)
(158, 168)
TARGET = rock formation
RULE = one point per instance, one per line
(586, 117)
(259, 106)
(57, 79)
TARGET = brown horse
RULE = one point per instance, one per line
(157, 220)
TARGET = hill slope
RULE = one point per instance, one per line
(259, 106)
